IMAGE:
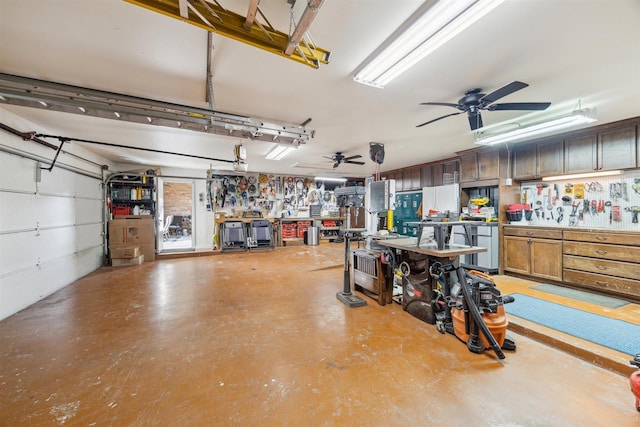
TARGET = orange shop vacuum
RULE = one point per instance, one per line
(478, 313)
(634, 380)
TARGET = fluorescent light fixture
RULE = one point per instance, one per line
(576, 118)
(279, 151)
(330, 179)
(581, 175)
(431, 26)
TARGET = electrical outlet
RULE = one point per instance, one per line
(508, 181)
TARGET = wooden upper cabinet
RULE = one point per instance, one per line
(617, 149)
(489, 164)
(479, 165)
(449, 170)
(469, 167)
(426, 176)
(438, 171)
(525, 163)
(580, 154)
(411, 179)
(550, 156)
(612, 149)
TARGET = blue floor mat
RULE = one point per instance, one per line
(616, 334)
(581, 295)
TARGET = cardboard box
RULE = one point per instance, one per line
(124, 252)
(123, 262)
(146, 249)
(132, 231)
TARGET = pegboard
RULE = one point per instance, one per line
(604, 196)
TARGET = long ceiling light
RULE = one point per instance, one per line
(576, 176)
(577, 117)
(431, 26)
(329, 179)
(279, 151)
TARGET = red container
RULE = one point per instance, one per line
(286, 234)
(635, 387)
(301, 231)
(121, 210)
(518, 207)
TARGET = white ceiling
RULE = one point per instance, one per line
(566, 50)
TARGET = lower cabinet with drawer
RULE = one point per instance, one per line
(602, 260)
(535, 252)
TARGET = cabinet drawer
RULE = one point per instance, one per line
(596, 250)
(601, 266)
(599, 237)
(533, 232)
(601, 282)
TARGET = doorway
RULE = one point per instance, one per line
(175, 215)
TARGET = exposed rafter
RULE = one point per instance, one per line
(42, 94)
(211, 16)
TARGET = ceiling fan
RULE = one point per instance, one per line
(474, 100)
(339, 158)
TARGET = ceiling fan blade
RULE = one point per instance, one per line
(353, 162)
(357, 156)
(327, 157)
(520, 106)
(502, 92)
(336, 164)
(444, 104)
(439, 118)
(475, 121)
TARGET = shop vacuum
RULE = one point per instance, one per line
(477, 313)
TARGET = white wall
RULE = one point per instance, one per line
(51, 232)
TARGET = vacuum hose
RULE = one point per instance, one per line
(475, 313)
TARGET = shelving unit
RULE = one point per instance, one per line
(125, 194)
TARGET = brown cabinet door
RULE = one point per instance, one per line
(415, 178)
(516, 254)
(469, 167)
(524, 162)
(550, 157)
(546, 259)
(426, 176)
(410, 179)
(488, 165)
(617, 149)
(580, 154)
(438, 171)
(449, 170)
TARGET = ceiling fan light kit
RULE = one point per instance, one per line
(339, 158)
(577, 117)
(474, 101)
(430, 26)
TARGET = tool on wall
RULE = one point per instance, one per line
(634, 210)
(573, 218)
(540, 186)
(616, 213)
(608, 205)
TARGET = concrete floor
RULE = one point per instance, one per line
(248, 339)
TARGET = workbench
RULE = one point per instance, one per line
(428, 267)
